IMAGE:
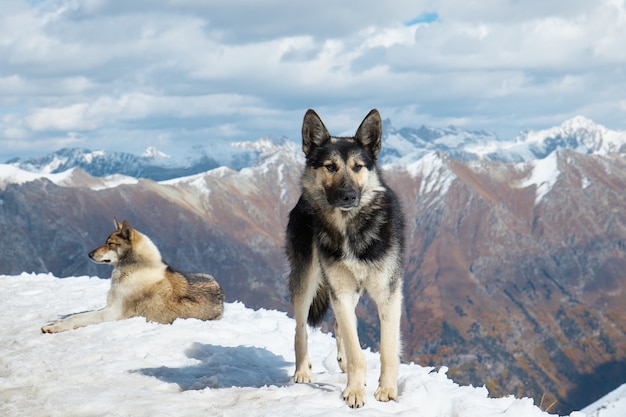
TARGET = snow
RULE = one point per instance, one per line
(578, 134)
(54, 165)
(435, 174)
(89, 157)
(10, 174)
(611, 405)
(400, 144)
(238, 366)
(455, 139)
(153, 152)
(589, 137)
(112, 181)
(544, 174)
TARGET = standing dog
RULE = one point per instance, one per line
(344, 237)
(143, 285)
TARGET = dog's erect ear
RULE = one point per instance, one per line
(117, 224)
(127, 230)
(370, 133)
(314, 133)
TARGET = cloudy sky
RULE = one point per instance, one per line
(123, 75)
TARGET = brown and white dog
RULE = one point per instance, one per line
(143, 285)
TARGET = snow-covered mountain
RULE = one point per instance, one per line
(580, 134)
(400, 147)
(152, 164)
(240, 365)
(407, 144)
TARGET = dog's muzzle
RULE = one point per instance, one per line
(346, 199)
(92, 255)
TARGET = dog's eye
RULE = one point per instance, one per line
(357, 167)
(330, 168)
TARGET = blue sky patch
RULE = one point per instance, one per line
(427, 17)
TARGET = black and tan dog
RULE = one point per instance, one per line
(143, 285)
(345, 237)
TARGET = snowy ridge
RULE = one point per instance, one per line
(416, 150)
(400, 147)
(267, 151)
(238, 366)
(436, 176)
(407, 145)
(10, 174)
(152, 152)
(153, 164)
(579, 134)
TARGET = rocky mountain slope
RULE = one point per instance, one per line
(518, 283)
(515, 250)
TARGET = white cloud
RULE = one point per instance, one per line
(72, 117)
(241, 69)
(136, 107)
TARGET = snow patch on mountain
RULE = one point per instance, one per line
(112, 181)
(90, 156)
(154, 153)
(611, 405)
(436, 176)
(543, 174)
(272, 155)
(10, 174)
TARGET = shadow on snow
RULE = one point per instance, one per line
(225, 367)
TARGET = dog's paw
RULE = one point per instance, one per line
(49, 328)
(385, 394)
(55, 327)
(354, 397)
(302, 377)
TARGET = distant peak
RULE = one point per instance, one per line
(152, 152)
(578, 123)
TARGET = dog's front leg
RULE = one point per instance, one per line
(341, 350)
(303, 364)
(81, 320)
(389, 312)
(344, 305)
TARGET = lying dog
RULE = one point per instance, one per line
(143, 285)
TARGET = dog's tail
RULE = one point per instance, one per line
(319, 306)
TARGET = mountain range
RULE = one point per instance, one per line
(515, 249)
(153, 164)
(401, 146)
